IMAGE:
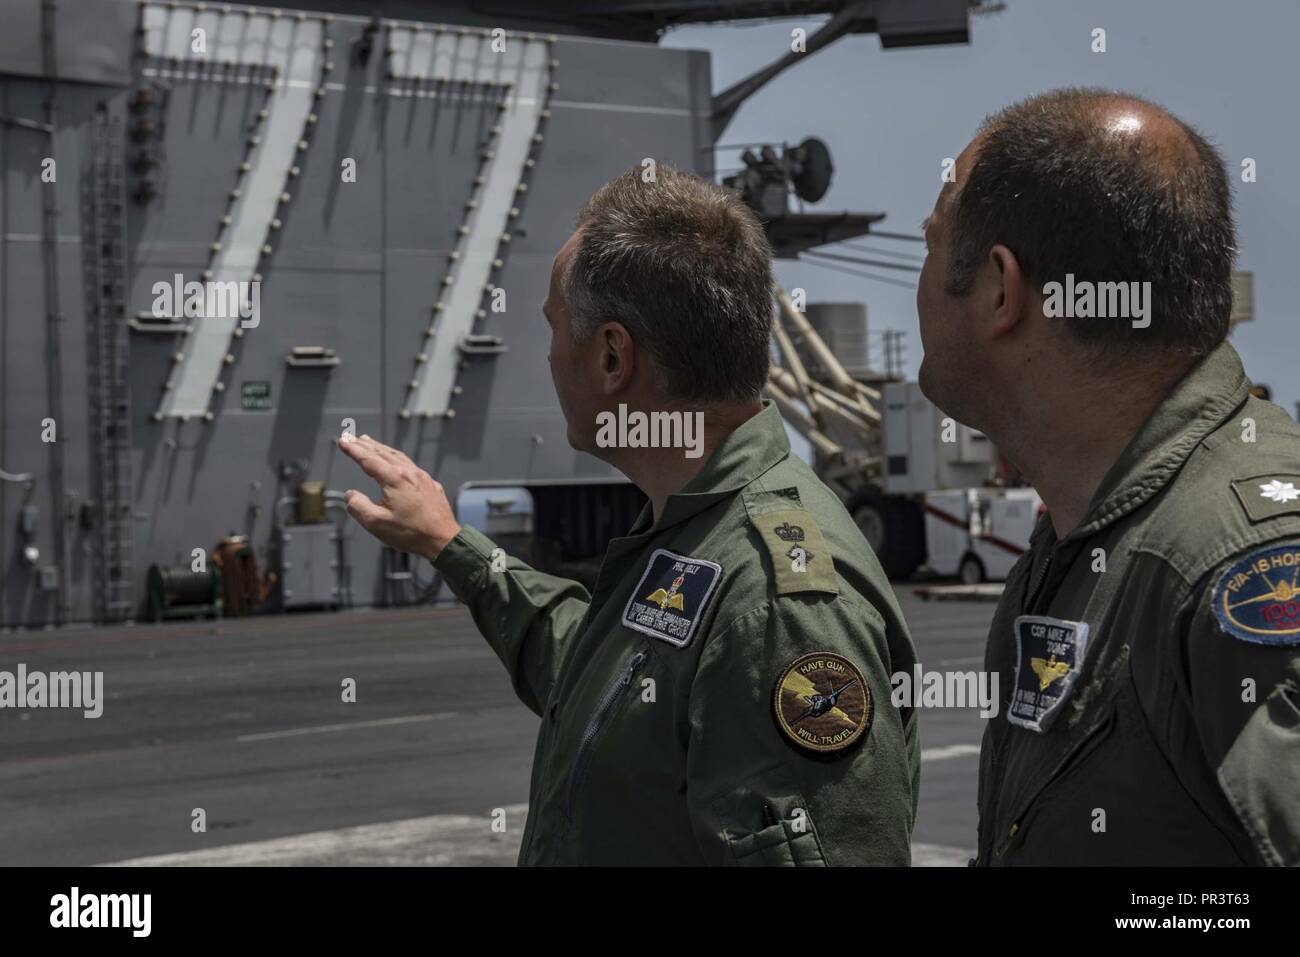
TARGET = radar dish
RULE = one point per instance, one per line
(810, 169)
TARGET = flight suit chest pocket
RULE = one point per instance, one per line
(628, 682)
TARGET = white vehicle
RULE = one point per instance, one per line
(978, 533)
(966, 526)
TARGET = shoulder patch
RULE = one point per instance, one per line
(822, 704)
(1266, 496)
(1257, 598)
(669, 600)
(801, 558)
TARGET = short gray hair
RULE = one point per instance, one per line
(685, 266)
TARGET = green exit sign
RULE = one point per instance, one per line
(256, 395)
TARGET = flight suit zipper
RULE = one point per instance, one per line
(549, 718)
(1042, 579)
(1006, 842)
(1072, 759)
(613, 694)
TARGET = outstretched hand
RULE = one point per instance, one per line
(412, 514)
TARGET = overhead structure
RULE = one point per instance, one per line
(899, 23)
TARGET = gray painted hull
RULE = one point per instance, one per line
(355, 267)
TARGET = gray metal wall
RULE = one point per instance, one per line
(356, 268)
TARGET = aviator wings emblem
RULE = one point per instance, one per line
(1048, 670)
(670, 598)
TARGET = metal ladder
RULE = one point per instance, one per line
(111, 403)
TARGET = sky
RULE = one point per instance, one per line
(890, 117)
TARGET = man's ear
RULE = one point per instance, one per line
(617, 357)
(1007, 289)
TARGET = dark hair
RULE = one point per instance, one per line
(1067, 195)
(686, 267)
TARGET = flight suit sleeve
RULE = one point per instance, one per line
(754, 795)
(526, 616)
(1245, 699)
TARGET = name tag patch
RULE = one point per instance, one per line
(1049, 654)
(1258, 598)
(670, 599)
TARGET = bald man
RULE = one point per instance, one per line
(1074, 307)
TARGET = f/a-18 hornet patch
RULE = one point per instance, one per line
(669, 600)
(1257, 598)
(822, 703)
(1049, 655)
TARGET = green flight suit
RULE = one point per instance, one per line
(1150, 700)
(661, 740)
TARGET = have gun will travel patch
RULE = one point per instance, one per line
(822, 703)
(670, 599)
(1049, 654)
(1258, 598)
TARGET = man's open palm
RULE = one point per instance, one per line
(412, 514)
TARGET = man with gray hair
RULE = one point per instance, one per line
(722, 696)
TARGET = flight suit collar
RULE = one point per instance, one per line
(750, 450)
(1198, 405)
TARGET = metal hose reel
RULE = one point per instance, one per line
(181, 592)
